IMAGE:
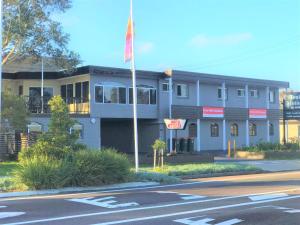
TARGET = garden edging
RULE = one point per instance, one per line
(76, 189)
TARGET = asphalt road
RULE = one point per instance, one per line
(266, 199)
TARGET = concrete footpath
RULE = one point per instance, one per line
(266, 165)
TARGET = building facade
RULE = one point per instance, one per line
(217, 108)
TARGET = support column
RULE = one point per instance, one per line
(170, 112)
(268, 107)
(247, 120)
(198, 120)
(224, 121)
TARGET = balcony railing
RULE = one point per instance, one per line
(37, 105)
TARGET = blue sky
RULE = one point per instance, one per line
(252, 38)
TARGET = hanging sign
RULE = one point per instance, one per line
(175, 124)
(214, 112)
(257, 113)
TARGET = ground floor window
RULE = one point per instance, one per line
(271, 129)
(234, 129)
(192, 130)
(214, 130)
(252, 129)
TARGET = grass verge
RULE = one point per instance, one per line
(6, 168)
(201, 169)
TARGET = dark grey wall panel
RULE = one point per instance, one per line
(186, 112)
(236, 113)
(274, 114)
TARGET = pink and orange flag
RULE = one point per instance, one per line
(128, 44)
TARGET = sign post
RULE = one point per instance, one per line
(175, 124)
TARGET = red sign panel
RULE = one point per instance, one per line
(257, 113)
(215, 112)
(175, 124)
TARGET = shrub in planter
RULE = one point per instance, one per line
(42, 172)
(99, 167)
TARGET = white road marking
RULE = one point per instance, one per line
(2, 206)
(268, 196)
(10, 214)
(105, 202)
(152, 207)
(192, 211)
(130, 189)
(293, 211)
(182, 196)
(206, 221)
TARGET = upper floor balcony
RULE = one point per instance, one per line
(39, 105)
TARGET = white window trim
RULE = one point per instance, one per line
(187, 91)
(226, 93)
(112, 103)
(242, 91)
(254, 91)
(165, 83)
(148, 88)
(273, 96)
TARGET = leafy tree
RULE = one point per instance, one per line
(29, 30)
(58, 142)
(14, 112)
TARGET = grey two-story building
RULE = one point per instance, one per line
(217, 108)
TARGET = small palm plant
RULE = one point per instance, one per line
(159, 147)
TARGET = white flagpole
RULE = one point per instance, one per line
(1, 65)
(135, 128)
(42, 87)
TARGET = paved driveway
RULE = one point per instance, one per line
(267, 165)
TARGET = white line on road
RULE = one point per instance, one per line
(182, 195)
(206, 221)
(105, 202)
(267, 196)
(194, 211)
(10, 214)
(139, 209)
(2, 206)
(131, 189)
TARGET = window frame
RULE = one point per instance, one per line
(234, 130)
(272, 96)
(162, 87)
(213, 132)
(187, 90)
(103, 94)
(130, 99)
(226, 93)
(271, 129)
(252, 129)
(256, 95)
(242, 91)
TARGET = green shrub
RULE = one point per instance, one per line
(269, 146)
(42, 172)
(100, 167)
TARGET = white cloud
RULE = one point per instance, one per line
(145, 47)
(202, 40)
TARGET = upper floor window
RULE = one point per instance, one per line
(234, 130)
(82, 91)
(254, 93)
(181, 90)
(220, 93)
(145, 95)
(252, 129)
(165, 87)
(214, 130)
(241, 92)
(272, 96)
(66, 92)
(110, 94)
(271, 129)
